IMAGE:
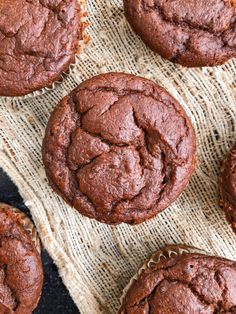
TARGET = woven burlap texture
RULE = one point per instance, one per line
(96, 261)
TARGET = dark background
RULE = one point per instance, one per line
(55, 298)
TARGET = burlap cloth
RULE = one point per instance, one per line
(95, 260)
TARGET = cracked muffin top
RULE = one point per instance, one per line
(184, 284)
(228, 187)
(21, 274)
(119, 148)
(38, 42)
(193, 33)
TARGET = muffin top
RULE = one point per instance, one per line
(228, 187)
(190, 32)
(21, 274)
(184, 284)
(119, 148)
(38, 41)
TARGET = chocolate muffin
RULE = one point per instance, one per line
(189, 32)
(228, 187)
(38, 42)
(21, 274)
(119, 148)
(182, 280)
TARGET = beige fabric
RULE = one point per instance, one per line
(95, 260)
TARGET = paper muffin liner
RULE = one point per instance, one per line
(81, 47)
(163, 254)
(27, 225)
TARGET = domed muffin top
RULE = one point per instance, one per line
(193, 33)
(21, 274)
(119, 148)
(38, 41)
(184, 284)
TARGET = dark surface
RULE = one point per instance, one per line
(55, 298)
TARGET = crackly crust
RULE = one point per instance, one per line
(38, 42)
(188, 32)
(21, 274)
(27, 224)
(119, 148)
(182, 280)
(163, 254)
(228, 187)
